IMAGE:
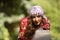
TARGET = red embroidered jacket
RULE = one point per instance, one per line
(24, 23)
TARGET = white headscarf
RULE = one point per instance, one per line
(36, 9)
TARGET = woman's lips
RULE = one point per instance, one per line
(37, 23)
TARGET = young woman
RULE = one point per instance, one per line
(34, 21)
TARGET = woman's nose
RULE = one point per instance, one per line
(36, 19)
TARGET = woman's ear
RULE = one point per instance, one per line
(42, 21)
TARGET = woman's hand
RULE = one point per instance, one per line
(21, 35)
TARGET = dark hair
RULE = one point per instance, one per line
(31, 28)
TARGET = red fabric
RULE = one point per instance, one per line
(47, 24)
(24, 23)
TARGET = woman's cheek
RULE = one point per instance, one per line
(33, 19)
(40, 19)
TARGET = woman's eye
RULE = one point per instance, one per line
(38, 16)
(33, 17)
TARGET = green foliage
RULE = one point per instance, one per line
(11, 11)
(4, 34)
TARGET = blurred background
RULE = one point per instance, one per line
(12, 11)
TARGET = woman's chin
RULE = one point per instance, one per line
(37, 23)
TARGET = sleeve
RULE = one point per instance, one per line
(23, 24)
(47, 24)
(22, 28)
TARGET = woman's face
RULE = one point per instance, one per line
(36, 19)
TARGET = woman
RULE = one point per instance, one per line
(34, 21)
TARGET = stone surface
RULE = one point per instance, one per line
(42, 35)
